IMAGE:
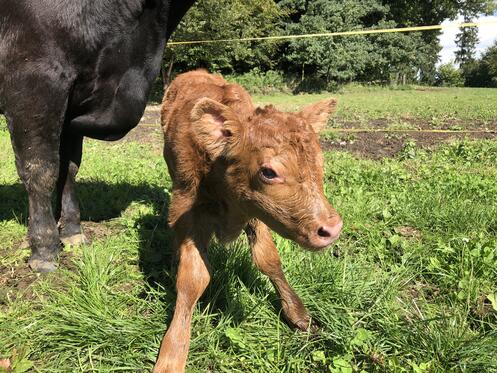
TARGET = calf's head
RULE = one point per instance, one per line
(270, 164)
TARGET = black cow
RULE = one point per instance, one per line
(69, 69)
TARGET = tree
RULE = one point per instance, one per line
(449, 76)
(483, 72)
(489, 61)
(323, 62)
(422, 12)
(326, 62)
(227, 19)
(466, 40)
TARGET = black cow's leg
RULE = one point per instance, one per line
(35, 124)
(67, 209)
(37, 162)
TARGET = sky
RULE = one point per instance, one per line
(487, 35)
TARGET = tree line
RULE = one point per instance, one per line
(475, 72)
(326, 62)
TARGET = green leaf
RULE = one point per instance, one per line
(341, 365)
(493, 300)
(21, 366)
(235, 337)
(361, 337)
(319, 356)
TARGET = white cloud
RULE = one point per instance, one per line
(486, 33)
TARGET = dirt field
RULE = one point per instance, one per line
(367, 144)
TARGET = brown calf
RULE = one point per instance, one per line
(236, 167)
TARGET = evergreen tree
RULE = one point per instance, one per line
(467, 39)
(433, 12)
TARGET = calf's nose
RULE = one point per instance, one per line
(331, 231)
(327, 233)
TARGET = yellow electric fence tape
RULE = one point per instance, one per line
(358, 32)
(385, 130)
(342, 33)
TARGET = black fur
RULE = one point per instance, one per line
(70, 69)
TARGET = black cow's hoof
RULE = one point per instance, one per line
(74, 240)
(42, 266)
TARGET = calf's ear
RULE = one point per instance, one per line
(213, 125)
(318, 114)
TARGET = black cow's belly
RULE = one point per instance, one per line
(109, 64)
(108, 107)
(109, 122)
(110, 95)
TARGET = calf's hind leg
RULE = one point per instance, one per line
(266, 258)
(192, 279)
(67, 208)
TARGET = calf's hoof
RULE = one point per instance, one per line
(42, 265)
(306, 325)
(168, 368)
(78, 239)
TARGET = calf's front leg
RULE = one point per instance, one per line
(266, 258)
(192, 279)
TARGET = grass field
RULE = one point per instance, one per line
(410, 286)
(433, 106)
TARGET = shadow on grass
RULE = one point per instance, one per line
(14, 203)
(230, 266)
(101, 202)
(98, 201)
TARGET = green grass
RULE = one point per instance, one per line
(432, 105)
(411, 290)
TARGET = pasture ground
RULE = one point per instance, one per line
(410, 286)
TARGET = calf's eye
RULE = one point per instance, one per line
(268, 173)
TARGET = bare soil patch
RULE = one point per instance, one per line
(408, 232)
(97, 231)
(18, 280)
(146, 133)
(374, 145)
(370, 145)
(431, 89)
(418, 124)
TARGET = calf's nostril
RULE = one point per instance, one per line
(323, 232)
